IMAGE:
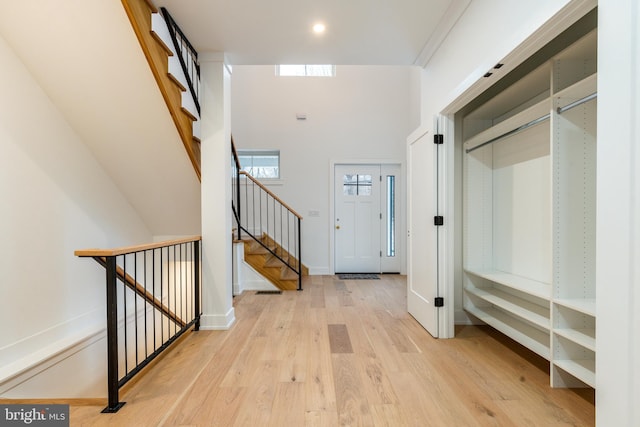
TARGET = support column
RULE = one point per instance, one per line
(217, 297)
(618, 215)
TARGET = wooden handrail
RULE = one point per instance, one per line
(130, 249)
(259, 184)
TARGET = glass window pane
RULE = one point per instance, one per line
(260, 163)
(350, 179)
(391, 215)
(306, 70)
(364, 179)
(364, 190)
(350, 190)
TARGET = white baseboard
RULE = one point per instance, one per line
(217, 322)
(320, 271)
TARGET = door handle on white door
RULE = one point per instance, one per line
(337, 227)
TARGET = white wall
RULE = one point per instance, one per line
(618, 215)
(363, 113)
(56, 198)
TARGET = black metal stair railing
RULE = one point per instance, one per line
(265, 218)
(187, 55)
(153, 297)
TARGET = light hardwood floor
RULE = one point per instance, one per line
(343, 353)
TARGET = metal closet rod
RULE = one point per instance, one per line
(511, 132)
(559, 110)
(567, 107)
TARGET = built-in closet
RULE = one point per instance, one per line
(529, 205)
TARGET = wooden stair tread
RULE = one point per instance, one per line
(177, 82)
(268, 265)
(162, 44)
(187, 112)
(287, 274)
(273, 261)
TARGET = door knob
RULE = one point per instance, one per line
(337, 227)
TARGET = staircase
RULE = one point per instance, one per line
(270, 229)
(265, 256)
(164, 57)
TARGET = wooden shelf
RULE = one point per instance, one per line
(584, 87)
(584, 370)
(526, 310)
(583, 337)
(584, 305)
(530, 337)
(519, 283)
(532, 113)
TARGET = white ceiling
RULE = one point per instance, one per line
(362, 32)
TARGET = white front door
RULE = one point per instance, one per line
(357, 218)
(422, 280)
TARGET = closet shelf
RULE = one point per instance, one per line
(507, 126)
(532, 338)
(582, 305)
(519, 283)
(584, 370)
(526, 310)
(581, 89)
(583, 337)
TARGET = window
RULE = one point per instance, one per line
(391, 215)
(261, 164)
(356, 185)
(306, 70)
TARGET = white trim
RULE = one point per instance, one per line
(320, 271)
(23, 369)
(475, 83)
(445, 24)
(218, 322)
(29, 346)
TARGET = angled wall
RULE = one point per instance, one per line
(55, 198)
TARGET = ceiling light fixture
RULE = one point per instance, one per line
(319, 28)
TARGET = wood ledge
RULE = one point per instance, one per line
(130, 249)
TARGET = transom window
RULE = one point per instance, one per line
(305, 70)
(261, 164)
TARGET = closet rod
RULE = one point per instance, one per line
(511, 132)
(587, 98)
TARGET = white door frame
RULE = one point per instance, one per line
(401, 216)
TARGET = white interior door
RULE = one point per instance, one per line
(422, 277)
(357, 218)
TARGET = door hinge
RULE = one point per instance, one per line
(438, 220)
(380, 215)
(438, 302)
(380, 254)
(438, 138)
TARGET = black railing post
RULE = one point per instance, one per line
(299, 254)
(196, 283)
(112, 338)
(238, 210)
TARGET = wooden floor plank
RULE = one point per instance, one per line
(339, 340)
(277, 366)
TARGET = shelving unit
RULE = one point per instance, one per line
(529, 197)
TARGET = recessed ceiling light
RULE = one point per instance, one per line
(319, 28)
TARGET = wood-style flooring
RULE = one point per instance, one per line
(343, 353)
